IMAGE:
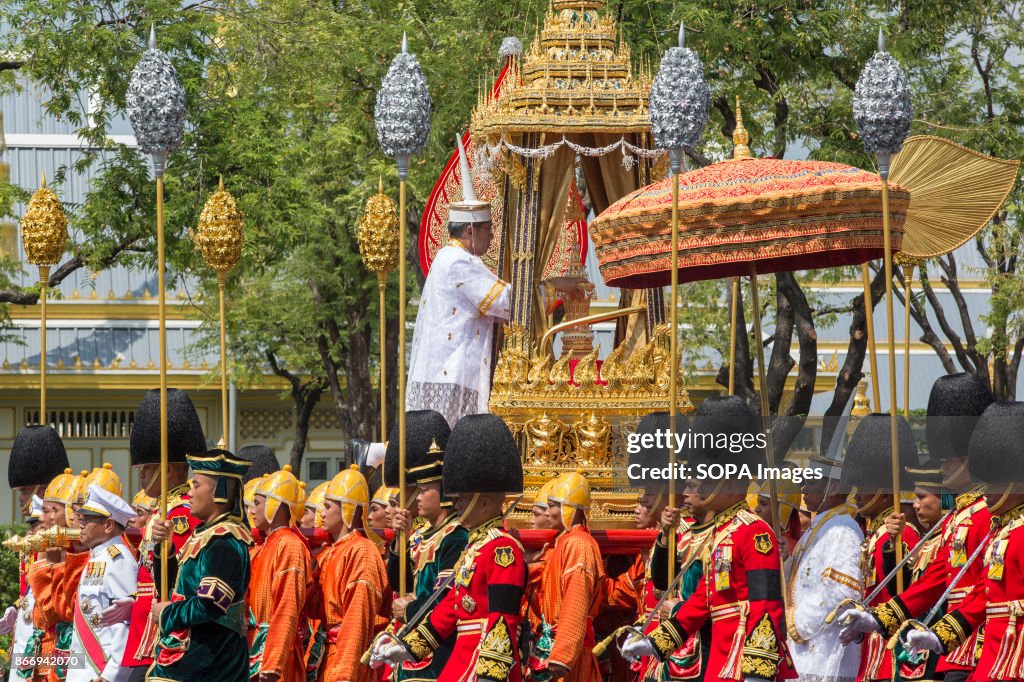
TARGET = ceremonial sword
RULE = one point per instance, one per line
(885, 581)
(923, 624)
(434, 597)
(599, 649)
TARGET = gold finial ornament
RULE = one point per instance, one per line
(221, 231)
(378, 233)
(740, 136)
(44, 228)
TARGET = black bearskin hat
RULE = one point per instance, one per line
(653, 426)
(724, 431)
(263, 461)
(868, 463)
(955, 403)
(36, 457)
(996, 454)
(184, 432)
(482, 457)
(422, 429)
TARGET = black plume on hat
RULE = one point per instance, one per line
(482, 457)
(36, 457)
(653, 457)
(868, 463)
(996, 454)
(263, 459)
(422, 428)
(184, 432)
(955, 403)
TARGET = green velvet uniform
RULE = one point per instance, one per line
(434, 553)
(203, 629)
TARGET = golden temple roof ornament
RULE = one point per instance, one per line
(740, 136)
(576, 76)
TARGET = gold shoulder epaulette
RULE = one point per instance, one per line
(113, 551)
(747, 517)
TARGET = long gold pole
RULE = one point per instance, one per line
(732, 335)
(908, 273)
(222, 282)
(403, 539)
(382, 283)
(869, 321)
(891, 344)
(673, 378)
(44, 280)
(162, 313)
(762, 391)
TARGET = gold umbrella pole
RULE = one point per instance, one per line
(162, 314)
(908, 273)
(44, 280)
(732, 335)
(762, 391)
(220, 235)
(222, 282)
(403, 540)
(883, 166)
(869, 322)
(382, 284)
(676, 161)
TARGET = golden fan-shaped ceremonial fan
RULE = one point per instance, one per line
(954, 192)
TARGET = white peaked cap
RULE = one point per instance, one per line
(101, 502)
(470, 209)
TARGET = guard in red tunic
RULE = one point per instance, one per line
(482, 465)
(955, 403)
(994, 607)
(868, 468)
(184, 437)
(740, 590)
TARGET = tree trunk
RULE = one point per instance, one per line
(305, 402)
(360, 404)
(744, 366)
(780, 361)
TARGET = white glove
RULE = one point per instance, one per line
(395, 653)
(635, 648)
(377, 656)
(7, 622)
(857, 622)
(119, 611)
(919, 641)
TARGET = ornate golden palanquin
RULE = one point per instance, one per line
(573, 107)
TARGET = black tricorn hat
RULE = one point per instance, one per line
(645, 454)
(36, 457)
(423, 428)
(482, 457)
(954, 405)
(724, 431)
(263, 461)
(996, 454)
(868, 463)
(184, 432)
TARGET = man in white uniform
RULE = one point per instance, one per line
(19, 619)
(452, 342)
(97, 647)
(824, 570)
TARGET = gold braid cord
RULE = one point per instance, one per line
(496, 655)
(891, 615)
(421, 642)
(950, 632)
(667, 638)
(761, 651)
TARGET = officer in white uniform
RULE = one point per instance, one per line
(97, 646)
(824, 569)
(19, 619)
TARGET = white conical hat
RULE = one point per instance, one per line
(470, 209)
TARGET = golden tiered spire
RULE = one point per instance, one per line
(577, 76)
(740, 137)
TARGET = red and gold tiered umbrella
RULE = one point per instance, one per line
(779, 214)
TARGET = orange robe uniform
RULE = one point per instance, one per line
(281, 578)
(570, 582)
(354, 585)
(41, 576)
